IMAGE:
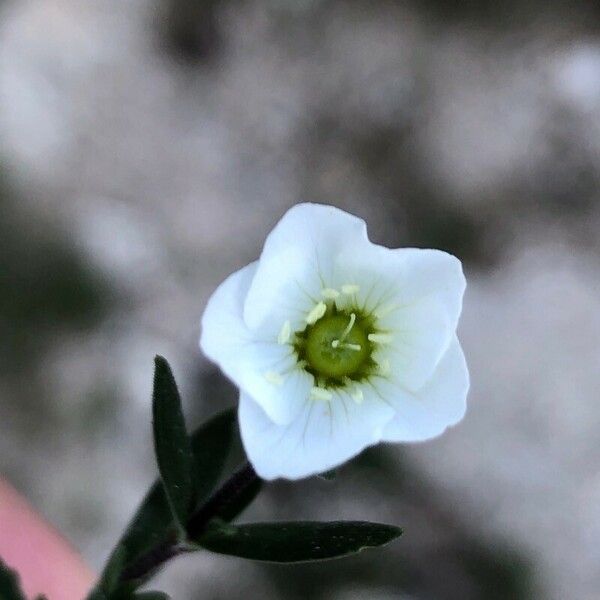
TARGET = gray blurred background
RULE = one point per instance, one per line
(146, 149)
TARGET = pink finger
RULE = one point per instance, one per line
(46, 563)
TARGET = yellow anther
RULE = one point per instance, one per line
(380, 338)
(274, 377)
(330, 293)
(318, 393)
(284, 334)
(350, 288)
(316, 313)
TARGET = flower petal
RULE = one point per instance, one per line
(324, 435)
(261, 367)
(419, 336)
(299, 260)
(224, 334)
(441, 403)
(416, 296)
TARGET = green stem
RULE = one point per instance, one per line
(214, 507)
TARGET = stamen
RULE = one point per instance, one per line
(319, 393)
(345, 345)
(357, 395)
(284, 334)
(350, 288)
(380, 338)
(329, 293)
(355, 392)
(274, 378)
(316, 313)
(385, 310)
(384, 367)
(348, 327)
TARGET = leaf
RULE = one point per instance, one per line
(171, 442)
(153, 521)
(151, 596)
(328, 475)
(296, 541)
(109, 581)
(231, 509)
(10, 588)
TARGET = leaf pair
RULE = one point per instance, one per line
(189, 466)
(180, 514)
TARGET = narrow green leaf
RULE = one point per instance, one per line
(151, 596)
(171, 442)
(230, 510)
(296, 541)
(109, 581)
(153, 521)
(10, 588)
(328, 475)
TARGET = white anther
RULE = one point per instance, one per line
(274, 378)
(384, 310)
(357, 395)
(316, 313)
(318, 393)
(355, 392)
(380, 338)
(350, 288)
(384, 367)
(330, 293)
(284, 334)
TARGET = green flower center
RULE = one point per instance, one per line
(336, 347)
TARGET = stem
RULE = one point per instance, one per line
(216, 505)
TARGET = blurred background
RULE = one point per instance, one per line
(146, 149)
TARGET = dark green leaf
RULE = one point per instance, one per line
(109, 581)
(211, 444)
(230, 510)
(296, 541)
(171, 442)
(151, 596)
(328, 475)
(10, 588)
(153, 521)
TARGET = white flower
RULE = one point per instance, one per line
(337, 344)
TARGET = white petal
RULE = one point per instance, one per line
(249, 361)
(297, 262)
(441, 403)
(224, 333)
(403, 276)
(420, 334)
(324, 435)
(416, 296)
